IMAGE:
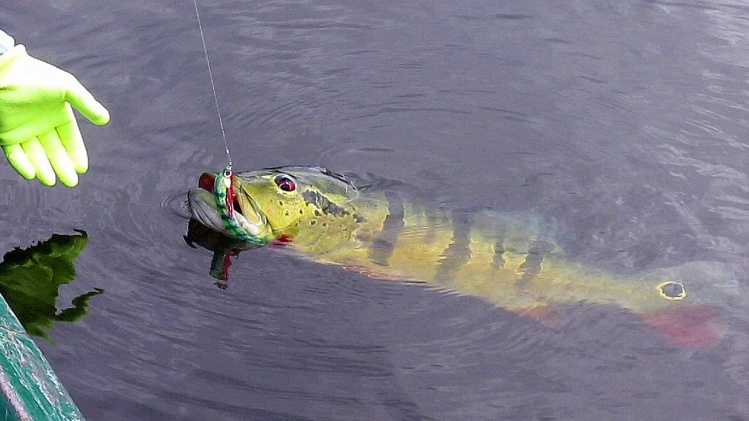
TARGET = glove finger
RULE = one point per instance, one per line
(82, 100)
(35, 152)
(19, 161)
(72, 141)
(59, 159)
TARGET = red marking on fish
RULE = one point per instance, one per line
(282, 241)
(547, 315)
(693, 327)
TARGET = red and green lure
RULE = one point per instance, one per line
(223, 191)
(226, 198)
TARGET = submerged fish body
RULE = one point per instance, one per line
(385, 234)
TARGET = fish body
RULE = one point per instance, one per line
(385, 234)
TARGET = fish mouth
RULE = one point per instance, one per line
(204, 208)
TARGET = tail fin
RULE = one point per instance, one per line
(695, 327)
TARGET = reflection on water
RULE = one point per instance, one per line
(30, 279)
(223, 248)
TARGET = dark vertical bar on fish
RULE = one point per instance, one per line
(533, 260)
(383, 246)
(458, 253)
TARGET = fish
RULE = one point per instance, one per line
(387, 234)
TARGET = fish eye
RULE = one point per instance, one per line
(285, 183)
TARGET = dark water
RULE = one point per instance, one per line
(624, 121)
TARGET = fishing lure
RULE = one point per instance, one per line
(225, 195)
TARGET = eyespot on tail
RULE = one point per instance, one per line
(673, 291)
(695, 327)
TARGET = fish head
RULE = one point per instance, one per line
(275, 200)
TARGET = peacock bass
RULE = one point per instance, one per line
(384, 234)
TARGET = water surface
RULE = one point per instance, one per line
(626, 122)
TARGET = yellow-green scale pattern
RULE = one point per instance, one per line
(477, 253)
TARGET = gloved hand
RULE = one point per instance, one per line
(38, 131)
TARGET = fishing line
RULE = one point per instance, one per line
(213, 85)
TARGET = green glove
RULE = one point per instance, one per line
(38, 131)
